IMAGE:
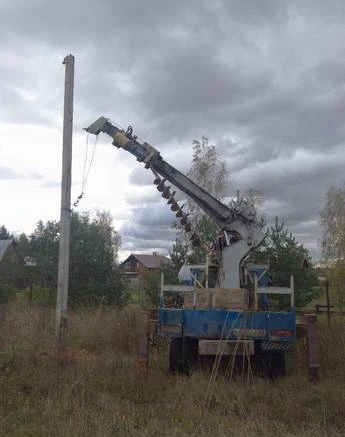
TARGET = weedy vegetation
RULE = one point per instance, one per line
(96, 391)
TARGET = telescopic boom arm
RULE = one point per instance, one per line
(146, 153)
(240, 230)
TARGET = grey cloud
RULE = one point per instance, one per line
(201, 82)
(140, 176)
(140, 198)
(148, 233)
(277, 176)
(320, 11)
(155, 214)
(51, 184)
(241, 156)
(149, 226)
(68, 22)
(136, 245)
(7, 173)
(257, 14)
(36, 176)
(261, 79)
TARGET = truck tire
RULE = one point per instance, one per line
(270, 364)
(175, 354)
(183, 355)
(278, 365)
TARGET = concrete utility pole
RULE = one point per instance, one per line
(65, 217)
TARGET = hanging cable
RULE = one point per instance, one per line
(86, 172)
(91, 161)
(85, 160)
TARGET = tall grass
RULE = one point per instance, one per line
(96, 391)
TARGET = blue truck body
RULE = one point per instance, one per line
(275, 330)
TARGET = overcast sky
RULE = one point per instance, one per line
(264, 80)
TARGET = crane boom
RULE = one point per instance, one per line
(244, 232)
(197, 323)
(146, 153)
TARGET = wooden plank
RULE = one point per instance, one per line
(177, 288)
(199, 298)
(273, 290)
(236, 299)
(170, 328)
(226, 347)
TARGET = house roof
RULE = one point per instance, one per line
(151, 261)
(4, 245)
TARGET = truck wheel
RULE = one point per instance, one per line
(175, 354)
(183, 355)
(278, 366)
(271, 364)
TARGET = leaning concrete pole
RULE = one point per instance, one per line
(65, 216)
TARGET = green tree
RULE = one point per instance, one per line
(152, 287)
(286, 257)
(10, 268)
(209, 171)
(333, 224)
(179, 254)
(333, 240)
(336, 278)
(4, 233)
(249, 205)
(14, 275)
(44, 248)
(94, 249)
(93, 257)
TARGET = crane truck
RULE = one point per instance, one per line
(224, 308)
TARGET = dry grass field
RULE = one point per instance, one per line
(96, 392)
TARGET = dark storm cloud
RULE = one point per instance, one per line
(263, 80)
(277, 176)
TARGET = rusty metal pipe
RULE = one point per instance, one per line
(142, 364)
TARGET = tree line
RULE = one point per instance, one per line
(333, 241)
(94, 273)
(94, 270)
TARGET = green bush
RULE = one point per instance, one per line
(41, 295)
(7, 294)
(336, 277)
